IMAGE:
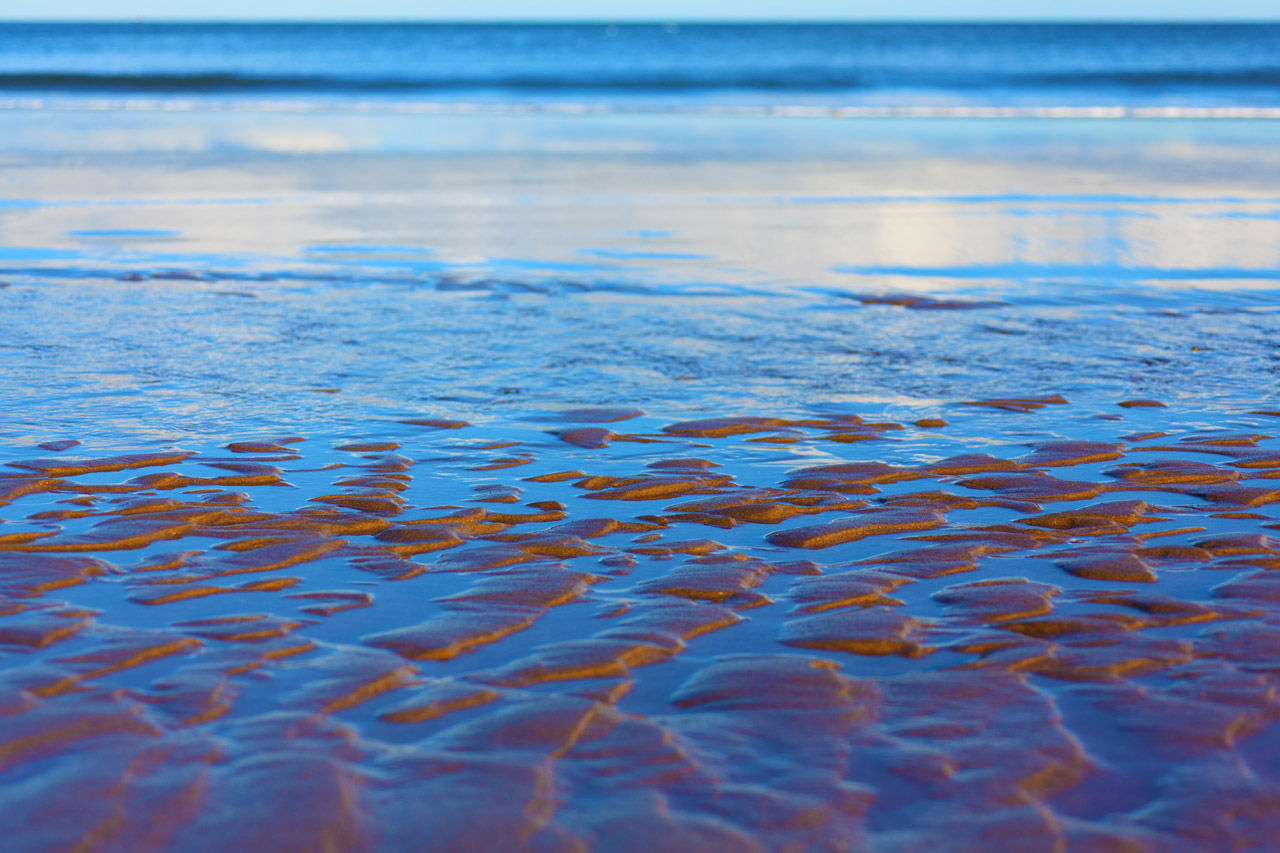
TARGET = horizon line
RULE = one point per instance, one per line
(651, 22)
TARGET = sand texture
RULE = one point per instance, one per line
(689, 637)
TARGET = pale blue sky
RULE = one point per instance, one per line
(634, 10)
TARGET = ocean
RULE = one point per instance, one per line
(649, 67)
(609, 437)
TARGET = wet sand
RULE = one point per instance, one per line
(883, 499)
(726, 633)
(208, 279)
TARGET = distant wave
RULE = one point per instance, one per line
(1207, 78)
(572, 108)
(797, 80)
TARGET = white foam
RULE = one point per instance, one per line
(968, 111)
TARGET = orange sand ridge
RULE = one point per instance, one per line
(601, 639)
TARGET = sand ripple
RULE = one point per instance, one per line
(729, 633)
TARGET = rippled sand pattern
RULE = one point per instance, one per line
(613, 633)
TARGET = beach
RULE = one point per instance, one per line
(599, 471)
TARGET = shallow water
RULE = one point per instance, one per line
(416, 597)
(485, 267)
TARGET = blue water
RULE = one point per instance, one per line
(655, 65)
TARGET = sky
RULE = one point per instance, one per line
(637, 10)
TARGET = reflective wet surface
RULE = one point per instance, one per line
(653, 483)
